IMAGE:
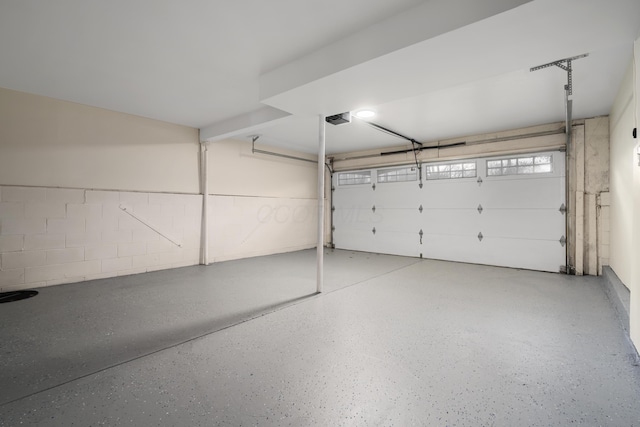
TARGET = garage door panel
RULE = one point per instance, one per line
(398, 219)
(397, 232)
(523, 223)
(451, 194)
(398, 195)
(353, 197)
(355, 218)
(523, 193)
(543, 255)
(450, 247)
(450, 221)
(352, 239)
(397, 243)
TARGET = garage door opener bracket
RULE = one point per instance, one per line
(566, 65)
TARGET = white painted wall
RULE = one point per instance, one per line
(623, 164)
(235, 170)
(625, 190)
(245, 226)
(259, 204)
(53, 143)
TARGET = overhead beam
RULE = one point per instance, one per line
(244, 124)
(420, 23)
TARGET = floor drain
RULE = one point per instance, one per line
(16, 295)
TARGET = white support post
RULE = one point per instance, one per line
(578, 142)
(205, 204)
(320, 242)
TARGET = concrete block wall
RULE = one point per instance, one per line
(596, 187)
(50, 236)
(65, 177)
(588, 181)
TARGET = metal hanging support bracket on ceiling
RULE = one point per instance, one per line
(565, 64)
(255, 150)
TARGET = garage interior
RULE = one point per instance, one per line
(275, 213)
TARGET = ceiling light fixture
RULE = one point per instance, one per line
(365, 114)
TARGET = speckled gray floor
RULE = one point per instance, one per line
(393, 341)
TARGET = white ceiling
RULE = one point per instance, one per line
(431, 69)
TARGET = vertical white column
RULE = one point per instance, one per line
(205, 204)
(320, 241)
(578, 142)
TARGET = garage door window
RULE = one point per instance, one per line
(452, 171)
(398, 175)
(354, 178)
(520, 165)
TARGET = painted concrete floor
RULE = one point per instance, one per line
(392, 341)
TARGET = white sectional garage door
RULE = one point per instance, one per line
(505, 211)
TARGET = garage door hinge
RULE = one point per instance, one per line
(421, 234)
(333, 228)
(333, 188)
(563, 241)
(373, 186)
(480, 236)
(420, 209)
(374, 230)
(373, 209)
(563, 209)
(333, 208)
(479, 181)
(480, 209)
